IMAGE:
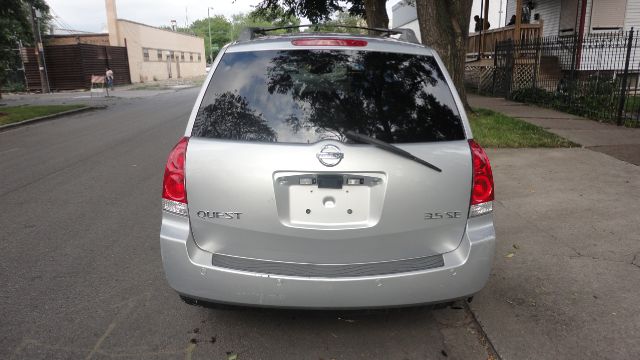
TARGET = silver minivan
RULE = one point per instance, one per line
(327, 171)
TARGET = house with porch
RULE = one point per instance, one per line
(584, 53)
(539, 18)
(556, 18)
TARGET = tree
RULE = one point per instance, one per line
(376, 13)
(444, 25)
(260, 18)
(277, 16)
(15, 26)
(343, 19)
(224, 31)
(317, 11)
(220, 34)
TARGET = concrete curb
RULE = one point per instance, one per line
(49, 117)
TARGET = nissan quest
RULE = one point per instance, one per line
(327, 171)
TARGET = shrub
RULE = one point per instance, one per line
(593, 97)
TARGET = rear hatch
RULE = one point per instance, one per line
(271, 175)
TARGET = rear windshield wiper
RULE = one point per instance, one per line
(351, 135)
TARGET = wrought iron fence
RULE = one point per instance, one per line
(596, 76)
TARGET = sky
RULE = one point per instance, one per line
(89, 15)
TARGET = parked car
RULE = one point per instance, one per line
(327, 171)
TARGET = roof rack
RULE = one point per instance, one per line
(251, 33)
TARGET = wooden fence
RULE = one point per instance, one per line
(70, 67)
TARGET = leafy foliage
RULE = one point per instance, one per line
(594, 97)
(15, 26)
(343, 18)
(314, 10)
(224, 31)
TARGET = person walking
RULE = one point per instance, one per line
(109, 78)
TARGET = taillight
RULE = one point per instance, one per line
(174, 192)
(482, 188)
(328, 42)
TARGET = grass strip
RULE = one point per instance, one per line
(14, 114)
(493, 129)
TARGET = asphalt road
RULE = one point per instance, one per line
(80, 269)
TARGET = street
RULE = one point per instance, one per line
(81, 272)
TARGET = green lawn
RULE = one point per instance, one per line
(12, 114)
(492, 129)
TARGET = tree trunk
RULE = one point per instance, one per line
(444, 26)
(376, 13)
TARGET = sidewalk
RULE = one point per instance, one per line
(77, 97)
(132, 91)
(564, 283)
(619, 142)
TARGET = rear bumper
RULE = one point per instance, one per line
(189, 271)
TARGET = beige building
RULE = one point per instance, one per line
(155, 54)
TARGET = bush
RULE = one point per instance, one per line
(593, 97)
(14, 87)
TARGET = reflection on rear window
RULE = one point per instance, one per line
(304, 96)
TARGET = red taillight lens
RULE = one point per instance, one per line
(328, 42)
(173, 187)
(482, 190)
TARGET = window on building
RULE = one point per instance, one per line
(145, 54)
(191, 57)
(160, 55)
(199, 57)
(607, 16)
(172, 55)
(182, 56)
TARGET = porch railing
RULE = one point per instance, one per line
(493, 36)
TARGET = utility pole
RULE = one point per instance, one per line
(210, 51)
(22, 52)
(42, 65)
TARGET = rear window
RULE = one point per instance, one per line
(303, 96)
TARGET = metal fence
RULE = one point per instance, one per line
(596, 76)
